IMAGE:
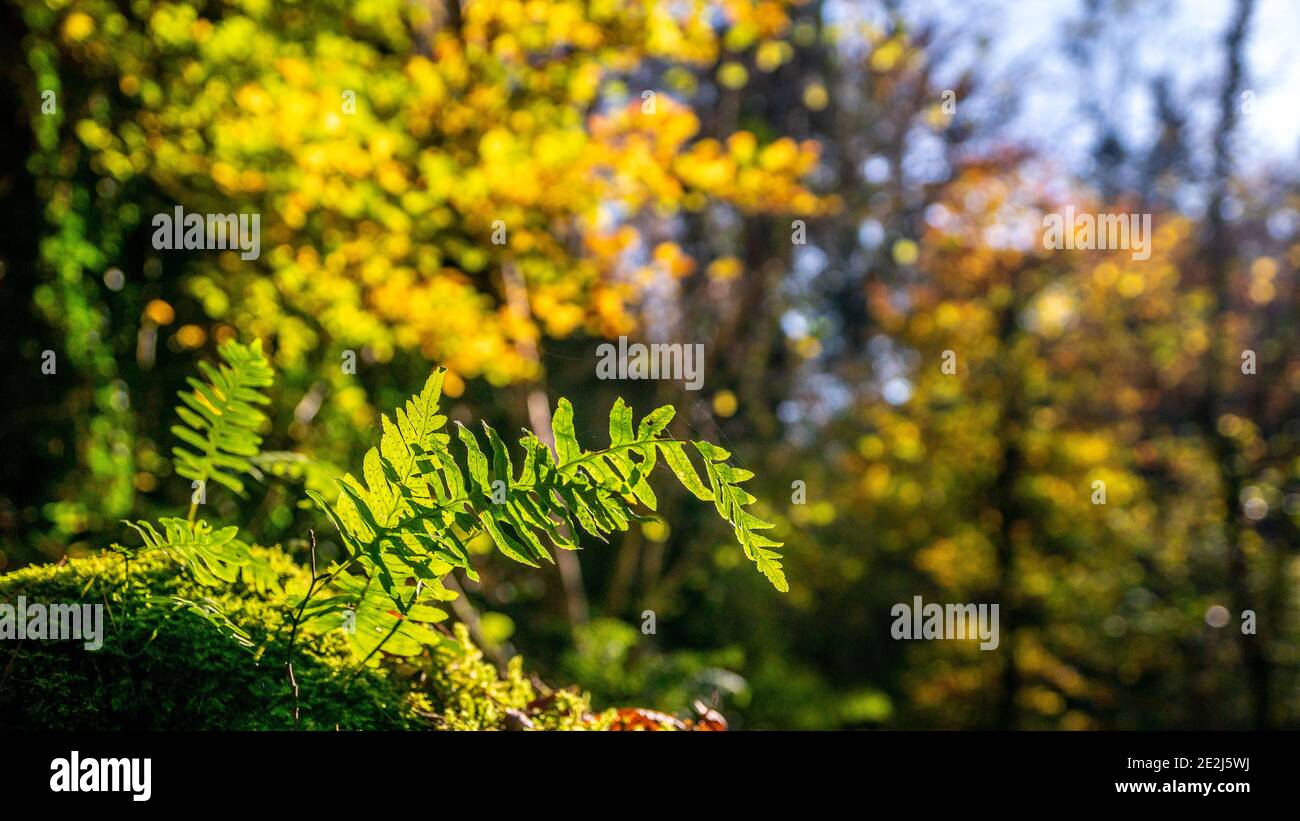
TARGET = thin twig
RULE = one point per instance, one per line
(397, 625)
(297, 619)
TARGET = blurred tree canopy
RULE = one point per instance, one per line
(408, 163)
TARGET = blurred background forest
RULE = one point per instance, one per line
(914, 147)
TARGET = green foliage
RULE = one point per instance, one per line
(619, 665)
(212, 556)
(408, 522)
(220, 418)
(162, 667)
(416, 507)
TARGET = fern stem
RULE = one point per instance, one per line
(626, 446)
(316, 583)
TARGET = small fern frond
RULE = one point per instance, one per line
(220, 418)
(212, 556)
(210, 611)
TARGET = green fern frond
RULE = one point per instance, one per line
(219, 417)
(400, 508)
(410, 516)
(210, 611)
(212, 556)
(372, 619)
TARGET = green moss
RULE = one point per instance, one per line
(166, 667)
(473, 696)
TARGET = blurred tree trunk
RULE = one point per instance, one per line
(1004, 502)
(539, 420)
(1219, 253)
